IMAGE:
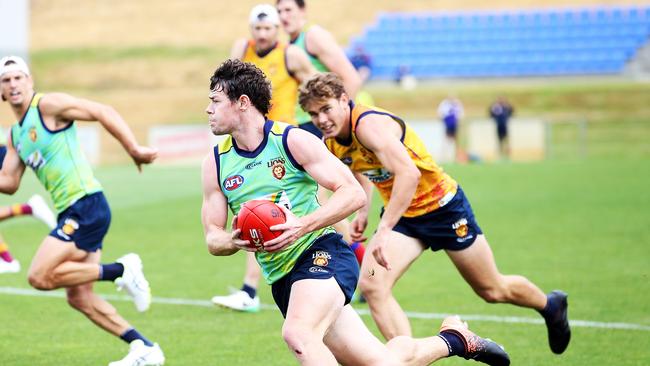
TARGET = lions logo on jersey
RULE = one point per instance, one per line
(321, 258)
(32, 134)
(461, 228)
(69, 227)
(278, 170)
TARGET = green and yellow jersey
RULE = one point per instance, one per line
(270, 172)
(55, 157)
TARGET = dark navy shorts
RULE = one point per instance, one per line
(502, 130)
(329, 256)
(450, 129)
(450, 227)
(3, 153)
(310, 127)
(85, 222)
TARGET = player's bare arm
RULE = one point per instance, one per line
(12, 170)
(330, 173)
(360, 222)
(214, 213)
(298, 63)
(322, 44)
(385, 143)
(59, 109)
(238, 49)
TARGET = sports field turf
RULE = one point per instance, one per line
(581, 226)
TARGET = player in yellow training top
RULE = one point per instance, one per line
(423, 208)
(286, 66)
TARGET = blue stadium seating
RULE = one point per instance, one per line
(526, 43)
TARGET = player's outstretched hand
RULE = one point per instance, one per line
(143, 155)
(292, 229)
(378, 247)
(358, 226)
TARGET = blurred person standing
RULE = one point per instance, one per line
(450, 111)
(362, 62)
(501, 111)
(44, 138)
(286, 66)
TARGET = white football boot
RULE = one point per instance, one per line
(41, 211)
(141, 355)
(238, 300)
(9, 267)
(133, 281)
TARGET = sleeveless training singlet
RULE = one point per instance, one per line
(283, 84)
(300, 41)
(435, 188)
(55, 157)
(270, 172)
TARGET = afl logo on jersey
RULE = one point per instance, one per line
(234, 182)
(32, 134)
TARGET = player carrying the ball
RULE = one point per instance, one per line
(312, 271)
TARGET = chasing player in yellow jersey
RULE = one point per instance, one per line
(423, 208)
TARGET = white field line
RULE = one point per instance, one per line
(410, 314)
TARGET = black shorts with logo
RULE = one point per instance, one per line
(450, 227)
(329, 256)
(85, 222)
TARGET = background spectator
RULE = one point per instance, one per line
(501, 111)
(450, 111)
(362, 62)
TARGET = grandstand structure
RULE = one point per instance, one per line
(595, 40)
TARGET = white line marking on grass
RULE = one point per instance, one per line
(410, 314)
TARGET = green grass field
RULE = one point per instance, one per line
(581, 226)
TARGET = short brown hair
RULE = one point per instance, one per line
(236, 78)
(321, 87)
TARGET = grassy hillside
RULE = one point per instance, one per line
(152, 62)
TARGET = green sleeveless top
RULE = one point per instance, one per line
(55, 157)
(300, 41)
(269, 172)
